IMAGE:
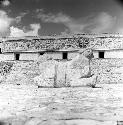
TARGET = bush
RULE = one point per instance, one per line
(5, 67)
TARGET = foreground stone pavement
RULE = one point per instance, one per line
(29, 105)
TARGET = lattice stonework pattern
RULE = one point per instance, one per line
(37, 44)
(45, 44)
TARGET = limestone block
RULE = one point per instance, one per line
(72, 55)
(78, 67)
(43, 82)
(47, 69)
(61, 72)
(47, 73)
(84, 81)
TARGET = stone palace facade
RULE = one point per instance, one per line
(61, 47)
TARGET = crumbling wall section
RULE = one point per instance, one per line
(22, 72)
(108, 70)
(5, 69)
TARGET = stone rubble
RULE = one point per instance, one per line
(109, 70)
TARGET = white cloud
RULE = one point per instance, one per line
(19, 18)
(102, 22)
(6, 26)
(51, 18)
(35, 28)
(75, 27)
(5, 2)
(16, 32)
(5, 21)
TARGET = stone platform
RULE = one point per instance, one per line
(29, 105)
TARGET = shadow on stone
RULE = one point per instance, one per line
(2, 123)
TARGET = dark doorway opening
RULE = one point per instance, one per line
(17, 56)
(0, 51)
(101, 54)
(65, 54)
(41, 53)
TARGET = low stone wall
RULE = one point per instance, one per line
(108, 70)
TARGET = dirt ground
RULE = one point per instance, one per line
(29, 105)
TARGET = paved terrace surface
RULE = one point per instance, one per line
(29, 105)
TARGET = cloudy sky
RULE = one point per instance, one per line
(48, 17)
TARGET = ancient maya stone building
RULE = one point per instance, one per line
(107, 50)
(61, 47)
(29, 48)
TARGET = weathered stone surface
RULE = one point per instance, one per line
(64, 73)
(47, 72)
(26, 104)
(103, 42)
(37, 44)
(78, 67)
(5, 68)
(91, 81)
(108, 70)
(22, 73)
(61, 74)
